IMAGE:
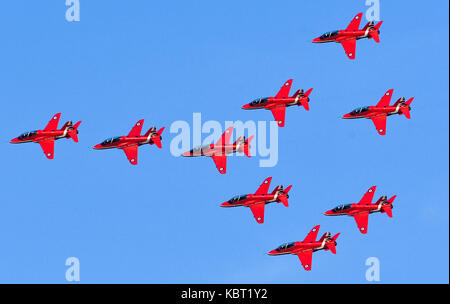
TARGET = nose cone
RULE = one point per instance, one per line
(272, 252)
(14, 141)
(329, 212)
(96, 147)
(346, 116)
(315, 40)
(226, 204)
(186, 154)
(246, 107)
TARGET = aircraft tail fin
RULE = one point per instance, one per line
(150, 131)
(369, 24)
(240, 140)
(247, 146)
(405, 110)
(332, 244)
(381, 199)
(324, 236)
(284, 198)
(388, 207)
(73, 132)
(157, 138)
(375, 32)
(277, 188)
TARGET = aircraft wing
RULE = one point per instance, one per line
(264, 188)
(132, 153)
(362, 220)
(368, 196)
(258, 212)
(279, 112)
(48, 146)
(380, 123)
(225, 138)
(386, 99)
(221, 162)
(312, 235)
(53, 123)
(354, 24)
(136, 130)
(285, 89)
(349, 47)
(306, 259)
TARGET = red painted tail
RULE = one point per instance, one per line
(332, 244)
(157, 138)
(388, 208)
(375, 33)
(406, 109)
(284, 198)
(73, 133)
(247, 146)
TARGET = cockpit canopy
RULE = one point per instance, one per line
(359, 110)
(27, 134)
(285, 246)
(259, 101)
(201, 148)
(329, 34)
(237, 198)
(110, 140)
(342, 207)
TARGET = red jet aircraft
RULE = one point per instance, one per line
(46, 138)
(256, 202)
(379, 112)
(218, 151)
(279, 103)
(352, 33)
(130, 143)
(361, 210)
(305, 249)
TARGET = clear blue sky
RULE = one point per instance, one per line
(160, 221)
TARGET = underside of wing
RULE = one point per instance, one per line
(225, 138)
(380, 123)
(258, 212)
(136, 130)
(362, 220)
(264, 188)
(349, 47)
(48, 146)
(386, 99)
(53, 123)
(306, 259)
(354, 24)
(132, 153)
(221, 162)
(312, 235)
(279, 114)
(368, 196)
(285, 89)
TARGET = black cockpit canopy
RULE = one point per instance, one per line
(329, 34)
(285, 246)
(110, 140)
(359, 110)
(27, 134)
